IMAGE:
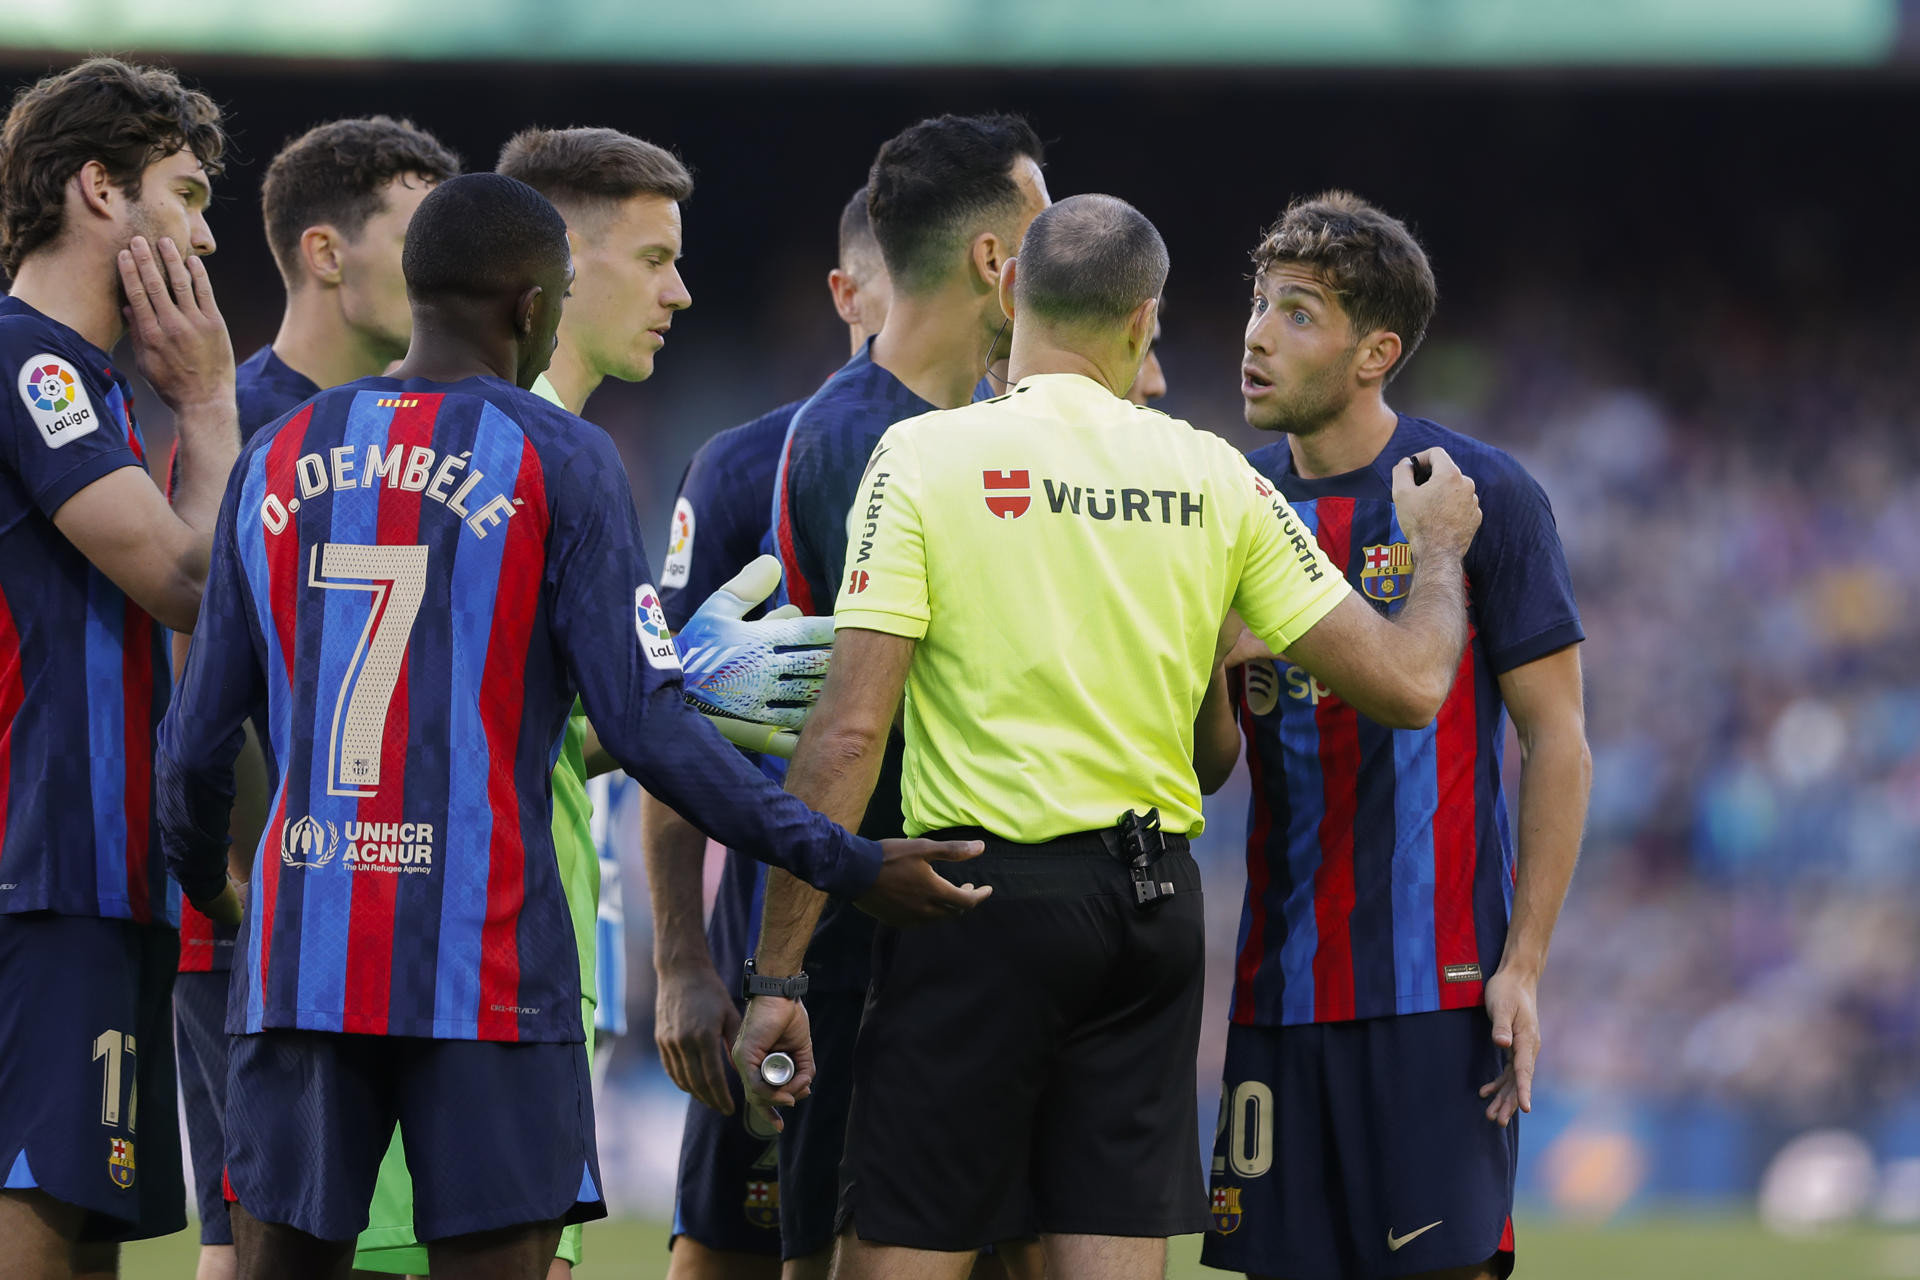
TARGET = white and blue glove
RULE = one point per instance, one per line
(755, 680)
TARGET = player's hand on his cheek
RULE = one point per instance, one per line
(694, 1020)
(753, 679)
(1437, 504)
(910, 891)
(774, 1024)
(1513, 1006)
(179, 338)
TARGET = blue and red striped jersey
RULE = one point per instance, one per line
(1380, 863)
(265, 388)
(84, 677)
(420, 578)
(719, 525)
(821, 466)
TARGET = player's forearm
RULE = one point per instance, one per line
(673, 752)
(209, 436)
(597, 757)
(674, 851)
(1216, 735)
(193, 799)
(1555, 776)
(1432, 629)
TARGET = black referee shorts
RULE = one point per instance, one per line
(1029, 1067)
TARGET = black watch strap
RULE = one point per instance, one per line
(758, 984)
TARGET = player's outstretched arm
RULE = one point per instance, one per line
(154, 552)
(1556, 772)
(694, 1017)
(628, 674)
(1398, 672)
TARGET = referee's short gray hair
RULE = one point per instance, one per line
(1089, 260)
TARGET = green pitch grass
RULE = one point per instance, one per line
(1663, 1248)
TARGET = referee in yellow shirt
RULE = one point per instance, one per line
(1045, 576)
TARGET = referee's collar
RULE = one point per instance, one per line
(1076, 383)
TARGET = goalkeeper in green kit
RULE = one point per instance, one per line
(621, 200)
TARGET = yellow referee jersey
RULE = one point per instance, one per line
(1064, 559)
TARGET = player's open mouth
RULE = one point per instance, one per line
(1251, 383)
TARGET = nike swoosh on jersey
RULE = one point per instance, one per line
(1395, 1243)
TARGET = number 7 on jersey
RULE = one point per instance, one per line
(396, 578)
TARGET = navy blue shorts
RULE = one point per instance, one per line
(86, 1037)
(728, 1193)
(200, 1038)
(497, 1135)
(743, 1191)
(1361, 1150)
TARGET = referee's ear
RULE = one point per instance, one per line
(1140, 327)
(1006, 286)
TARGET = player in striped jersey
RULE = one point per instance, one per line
(1388, 959)
(105, 178)
(417, 573)
(620, 196)
(727, 1200)
(336, 202)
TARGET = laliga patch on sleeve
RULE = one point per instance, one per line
(57, 400)
(679, 565)
(651, 622)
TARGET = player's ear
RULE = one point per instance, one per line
(990, 258)
(843, 287)
(320, 254)
(527, 311)
(1378, 354)
(94, 189)
(1006, 286)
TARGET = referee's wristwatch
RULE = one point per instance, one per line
(758, 984)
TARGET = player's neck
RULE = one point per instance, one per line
(937, 349)
(1346, 443)
(572, 378)
(78, 285)
(316, 341)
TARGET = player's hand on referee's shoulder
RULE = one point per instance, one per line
(910, 891)
(180, 341)
(773, 1024)
(1437, 504)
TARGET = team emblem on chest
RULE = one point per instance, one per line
(1386, 571)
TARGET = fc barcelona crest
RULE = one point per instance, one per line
(120, 1162)
(1226, 1210)
(1386, 572)
(763, 1204)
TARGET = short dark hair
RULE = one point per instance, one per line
(1089, 260)
(856, 231)
(481, 235)
(585, 166)
(337, 173)
(935, 183)
(125, 116)
(1366, 256)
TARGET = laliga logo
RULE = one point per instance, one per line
(308, 842)
(1007, 505)
(52, 387)
(651, 617)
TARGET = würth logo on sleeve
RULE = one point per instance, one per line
(857, 581)
(1008, 493)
